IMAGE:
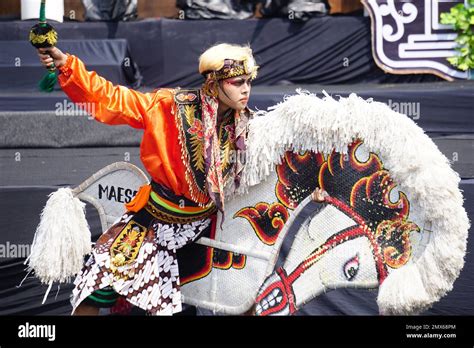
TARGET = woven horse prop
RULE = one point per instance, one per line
(392, 217)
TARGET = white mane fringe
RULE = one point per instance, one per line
(61, 241)
(306, 122)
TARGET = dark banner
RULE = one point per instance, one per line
(321, 50)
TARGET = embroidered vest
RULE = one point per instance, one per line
(188, 118)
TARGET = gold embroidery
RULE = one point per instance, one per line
(197, 136)
(189, 111)
(51, 37)
(172, 219)
(234, 68)
(125, 247)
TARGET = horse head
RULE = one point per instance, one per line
(352, 239)
(393, 218)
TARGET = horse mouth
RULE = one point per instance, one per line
(269, 302)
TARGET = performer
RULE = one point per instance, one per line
(192, 148)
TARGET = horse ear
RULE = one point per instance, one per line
(306, 122)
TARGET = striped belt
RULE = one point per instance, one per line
(164, 205)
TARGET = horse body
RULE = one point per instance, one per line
(393, 218)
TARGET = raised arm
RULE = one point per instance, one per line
(107, 103)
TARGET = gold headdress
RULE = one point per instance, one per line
(233, 68)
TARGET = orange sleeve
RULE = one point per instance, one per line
(109, 104)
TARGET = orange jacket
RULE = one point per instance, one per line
(160, 150)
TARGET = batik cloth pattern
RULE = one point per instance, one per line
(149, 279)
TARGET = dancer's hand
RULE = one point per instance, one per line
(52, 55)
(319, 195)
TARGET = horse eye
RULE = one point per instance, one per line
(351, 267)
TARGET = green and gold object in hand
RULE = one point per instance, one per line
(43, 35)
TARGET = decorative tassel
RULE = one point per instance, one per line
(48, 82)
(43, 35)
(61, 241)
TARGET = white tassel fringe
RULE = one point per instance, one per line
(61, 241)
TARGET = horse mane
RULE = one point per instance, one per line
(304, 122)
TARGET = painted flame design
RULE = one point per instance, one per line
(267, 220)
(296, 179)
(365, 187)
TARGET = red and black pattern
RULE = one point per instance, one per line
(267, 220)
(296, 177)
(223, 259)
(197, 260)
(365, 187)
(362, 191)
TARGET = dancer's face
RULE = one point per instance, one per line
(234, 92)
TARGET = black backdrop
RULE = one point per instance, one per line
(325, 50)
